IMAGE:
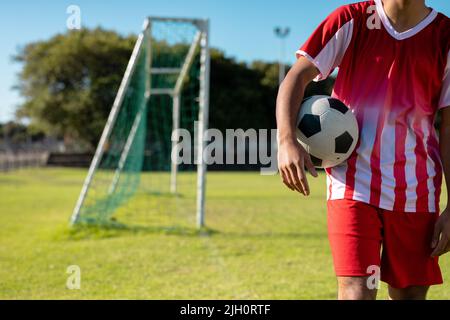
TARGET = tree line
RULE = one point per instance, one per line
(69, 82)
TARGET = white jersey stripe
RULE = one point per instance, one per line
(430, 170)
(363, 174)
(444, 101)
(328, 187)
(410, 168)
(331, 55)
(337, 179)
(387, 158)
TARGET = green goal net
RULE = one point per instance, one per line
(134, 179)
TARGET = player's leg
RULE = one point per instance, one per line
(409, 293)
(355, 288)
(406, 263)
(354, 232)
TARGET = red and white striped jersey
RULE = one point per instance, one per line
(394, 82)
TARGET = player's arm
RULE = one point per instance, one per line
(441, 237)
(292, 157)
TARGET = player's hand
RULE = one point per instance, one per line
(292, 160)
(441, 236)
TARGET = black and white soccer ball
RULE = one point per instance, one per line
(327, 129)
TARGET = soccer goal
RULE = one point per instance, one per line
(132, 178)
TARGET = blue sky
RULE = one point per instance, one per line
(242, 28)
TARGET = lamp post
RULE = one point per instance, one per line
(282, 33)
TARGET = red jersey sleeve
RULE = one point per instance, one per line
(326, 47)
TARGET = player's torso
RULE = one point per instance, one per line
(392, 83)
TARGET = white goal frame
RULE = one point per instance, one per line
(201, 41)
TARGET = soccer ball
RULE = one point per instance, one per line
(327, 129)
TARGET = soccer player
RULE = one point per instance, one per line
(383, 203)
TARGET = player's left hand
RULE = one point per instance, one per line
(441, 235)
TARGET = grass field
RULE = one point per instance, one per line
(266, 243)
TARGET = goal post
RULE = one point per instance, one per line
(203, 123)
(165, 88)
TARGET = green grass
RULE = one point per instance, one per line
(263, 242)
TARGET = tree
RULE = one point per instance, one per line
(240, 98)
(69, 82)
(14, 134)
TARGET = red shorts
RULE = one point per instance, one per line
(362, 236)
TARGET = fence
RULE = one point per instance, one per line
(25, 159)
